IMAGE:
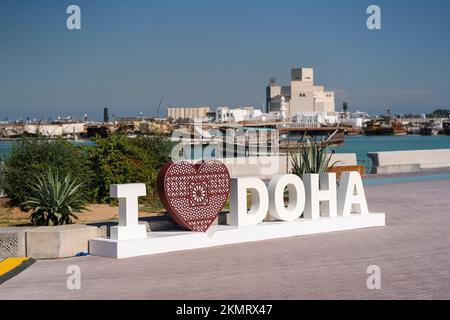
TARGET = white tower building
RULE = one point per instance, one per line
(283, 109)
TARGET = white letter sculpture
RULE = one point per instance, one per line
(296, 191)
(349, 200)
(239, 216)
(128, 195)
(316, 194)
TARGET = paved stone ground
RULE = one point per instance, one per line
(413, 252)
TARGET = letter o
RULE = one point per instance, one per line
(296, 191)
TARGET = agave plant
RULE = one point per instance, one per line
(55, 200)
(311, 158)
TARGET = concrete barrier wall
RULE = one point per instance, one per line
(46, 242)
(345, 159)
(409, 161)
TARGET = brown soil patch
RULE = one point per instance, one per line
(13, 216)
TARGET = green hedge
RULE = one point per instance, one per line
(111, 160)
(119, 159)
(35, 156)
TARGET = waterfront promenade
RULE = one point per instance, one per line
(413, 252)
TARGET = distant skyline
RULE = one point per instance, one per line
(204, 52)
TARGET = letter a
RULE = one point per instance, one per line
(374, 280)
(74, 280)
(374, 20)
(351, 196)
(73, 22)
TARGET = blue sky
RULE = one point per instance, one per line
(206, 52)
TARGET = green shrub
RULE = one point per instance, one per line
(311, 159)
(31, 157)
(118, 159)
(112, 160)
(158, 147)
(54, 200)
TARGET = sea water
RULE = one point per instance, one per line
(5, 148)
(361, 145)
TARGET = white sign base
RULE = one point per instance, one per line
(162, 242)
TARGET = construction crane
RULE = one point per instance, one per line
(159, 105)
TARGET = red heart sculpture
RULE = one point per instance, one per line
(194, 195)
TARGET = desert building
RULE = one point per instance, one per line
(301, 96)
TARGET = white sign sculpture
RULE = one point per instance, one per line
(314, 197)
(314, 204)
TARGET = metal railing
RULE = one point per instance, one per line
(298, 125)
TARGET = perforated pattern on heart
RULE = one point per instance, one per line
(194, 195)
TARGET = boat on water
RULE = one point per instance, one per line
(10, 131)
(351, 130)
(446, 127)
(385, 128)
(429, 129)
(398, 128)
(260, 139)
(414, 130)
(293, 135)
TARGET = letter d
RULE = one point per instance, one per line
(239, 216)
